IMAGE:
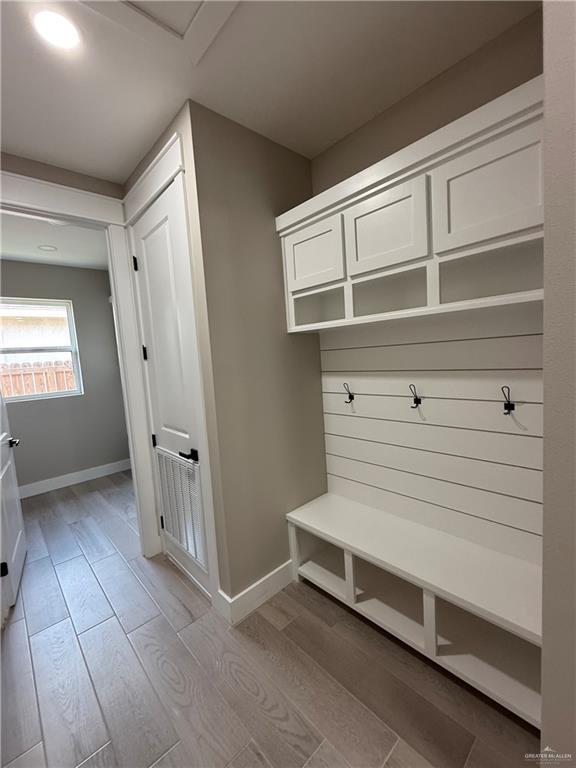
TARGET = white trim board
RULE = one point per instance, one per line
(46, 197)
(235, 609)
(62, 481)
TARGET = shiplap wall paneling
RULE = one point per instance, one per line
(453, 385)
(483, 475)
(457, 462)
(485, 533)
(520, 320)
(508, 510)
(526, 419)
(507, 352)
(496, 447)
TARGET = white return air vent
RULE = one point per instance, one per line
(182, 504)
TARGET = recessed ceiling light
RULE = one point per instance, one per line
(47, 248)
(56, 29)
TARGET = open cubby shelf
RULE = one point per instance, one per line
(509, 274)
(408, 579)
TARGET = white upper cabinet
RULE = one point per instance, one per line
(492, 191)
(452, 222)
(388, 228)
(315, 255)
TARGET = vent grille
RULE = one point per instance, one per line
(182, 503)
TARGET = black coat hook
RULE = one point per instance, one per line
(417, 400)
(350, 395)
(509, 406)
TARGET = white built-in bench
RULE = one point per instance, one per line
(473, 610)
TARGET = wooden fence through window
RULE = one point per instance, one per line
(25, 379)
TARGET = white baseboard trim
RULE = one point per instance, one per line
(234, 609)
(53, 483)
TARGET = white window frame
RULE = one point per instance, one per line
(72, 348)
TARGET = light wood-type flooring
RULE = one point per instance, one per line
(110, 659)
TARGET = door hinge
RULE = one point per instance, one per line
(4, 568)
(153, 440)
(144, 352)
(135, 263)
(162, 522)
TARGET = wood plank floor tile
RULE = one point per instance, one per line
(327, 757)
(403, 756)
(37, 548)
(34, 758)
(250, 757)
(86, 602)
(92, 540)
(282, 733)
(208, 728)
(33, 507)
(485, 756)
(131, 602)
(475, 712)
(20, 718)
(104, 758)
(329, 611)
(60, 540)
(71, 720)
(124, 538)
(435, 735)
(178, 599)
(43, 601)
(120, 496)
(361, 737)
(280, 610)
(66, 504)
(177, 757)
(138, 724)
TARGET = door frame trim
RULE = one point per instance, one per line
(42, 197)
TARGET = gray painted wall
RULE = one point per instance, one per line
(559, 619)
(262, 387)
(500, 65)
(267, 383)
(68, 434)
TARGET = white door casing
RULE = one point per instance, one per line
(13, 535)
(172, 372)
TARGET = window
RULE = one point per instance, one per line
(38, 349)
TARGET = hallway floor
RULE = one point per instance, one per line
(109, 659)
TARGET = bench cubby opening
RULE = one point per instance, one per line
(322, 564)
(502, 665)
(394, 604)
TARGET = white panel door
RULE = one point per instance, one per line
(168, 327)
(388, 228)
(315, 255)
(167, 319)
(13, 535)
(492, 191)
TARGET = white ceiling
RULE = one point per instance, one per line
(77, 246)
(304, 74)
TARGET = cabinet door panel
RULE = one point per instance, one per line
(387, 229)
(492, 191)
(315, 255)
